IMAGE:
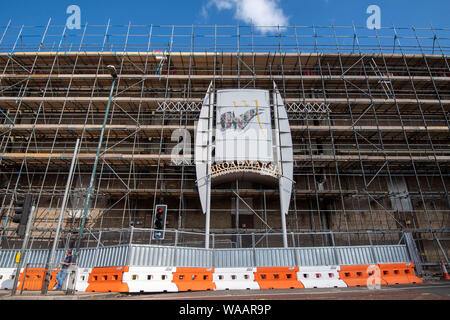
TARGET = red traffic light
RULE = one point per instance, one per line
(159, 222)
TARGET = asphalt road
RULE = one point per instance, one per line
(427, 291)
(431, 290)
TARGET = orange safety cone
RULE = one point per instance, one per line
(444, 271)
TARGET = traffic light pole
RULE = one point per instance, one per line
(23, 252)
(94, 170)
(62, 214)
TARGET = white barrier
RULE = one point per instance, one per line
(235, 279)
(150, 279)
(82, 277)
(7, 278)
(320, 277)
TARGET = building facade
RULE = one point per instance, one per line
(369, 126)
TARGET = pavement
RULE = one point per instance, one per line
(429, 290)
(433, 290)
(57, 295)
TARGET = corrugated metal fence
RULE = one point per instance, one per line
(159, 256)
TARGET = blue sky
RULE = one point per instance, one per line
(181, 12)
(163, 13)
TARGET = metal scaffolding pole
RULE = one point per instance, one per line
(94, 170)
(23, 252)
(62, 213)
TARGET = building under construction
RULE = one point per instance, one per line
(368, 113)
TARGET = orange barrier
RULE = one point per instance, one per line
(357, 276)
(107, 280)
(278, 278)
(34, 279)
(398, 273)
(411, 274)
(114, 279)
(194, 279)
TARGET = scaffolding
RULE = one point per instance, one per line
(368, 109)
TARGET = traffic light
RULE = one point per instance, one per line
(22, 210)
(159, 221)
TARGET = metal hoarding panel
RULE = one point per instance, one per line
(228, 258)
(391, 254)
(275, 257)
(110, 257)
(88, 257)
(153, 256)
(36, 258)
(7, 258)
(355, 255)
(316, 256)
(193, 257)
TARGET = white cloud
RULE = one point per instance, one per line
(259, 13)
(223, 4)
